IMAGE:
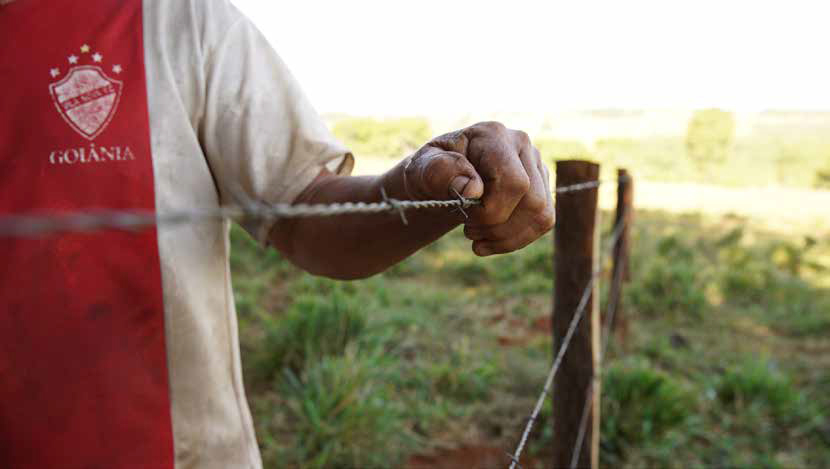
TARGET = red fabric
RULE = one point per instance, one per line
(83, 376)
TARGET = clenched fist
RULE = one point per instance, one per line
(496, 164)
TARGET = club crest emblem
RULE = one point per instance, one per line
(86, 97)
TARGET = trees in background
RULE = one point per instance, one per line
(709, 137)
(795, 154)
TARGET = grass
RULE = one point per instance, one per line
(640, 406)
(725, 364)
(671, 283)
(344, 411)
(314, 327)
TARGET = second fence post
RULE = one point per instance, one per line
(576, 258)
(621, 270)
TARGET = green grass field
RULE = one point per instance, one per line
(727, 362)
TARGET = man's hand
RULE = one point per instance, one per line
(485, 161)
(502, 168)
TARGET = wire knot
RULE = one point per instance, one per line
(394, 205)
(462, 203)
(513, 460)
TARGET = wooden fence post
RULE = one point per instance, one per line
(621, 271)
(576, 257)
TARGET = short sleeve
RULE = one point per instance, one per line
(262, 138)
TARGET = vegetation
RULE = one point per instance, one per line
(640, 405)
(726, 363)
(388, 138)
(710, 137)
(790, 160)
(823, 179)
(670, 289)
(711, 151)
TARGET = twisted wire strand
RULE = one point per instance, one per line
(566, 341)
(49, 223)
(588, 185)
(578, 187)
(42, 224)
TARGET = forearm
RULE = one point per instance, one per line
(515, 210)
(359, 245)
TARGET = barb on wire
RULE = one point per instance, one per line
(395, 206)
(33, 225)
(514, 460)
(580, 310)
(460, 207)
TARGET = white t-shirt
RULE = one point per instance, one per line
(224, 117)
(225, 112)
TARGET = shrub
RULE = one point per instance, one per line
(770, 277)
(639, 405)
(462, 374)
(671, 283)
(258, 267)
(822, 180)
(314, 327)
(710, 136)
(342, 415)
(758, 386)
(469, 272)
(668, 289)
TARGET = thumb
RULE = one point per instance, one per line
(441, 172)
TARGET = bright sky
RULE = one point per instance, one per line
(431, 56)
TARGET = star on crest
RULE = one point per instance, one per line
(97, 57)
(54, 72)
(116, 69)
(84, 49)
(73, 59)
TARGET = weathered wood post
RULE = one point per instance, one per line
(621, 271)
(576, 258)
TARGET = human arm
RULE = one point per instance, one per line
(486, 161)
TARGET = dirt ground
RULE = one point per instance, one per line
(467, 457)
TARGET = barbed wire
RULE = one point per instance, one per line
(578, 187)
(588, 185)
(580, 310)
(36, 225)
(42, 224)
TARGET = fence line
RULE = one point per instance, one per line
(580, 310)
(24, 226)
